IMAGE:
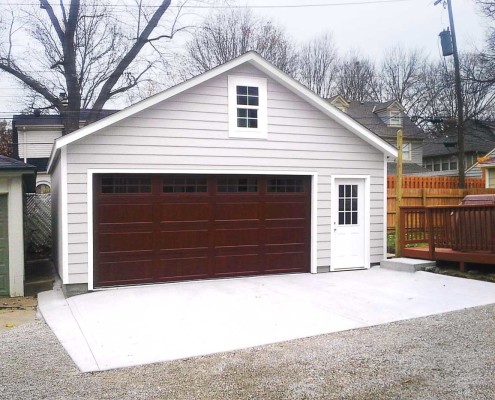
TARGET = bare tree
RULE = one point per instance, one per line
(227, 34)
(357, 79)
(401, 75)
(435, 98)
(317, 66)
(89, 52)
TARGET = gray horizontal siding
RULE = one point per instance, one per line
(190, 131)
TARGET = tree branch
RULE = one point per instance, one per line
(106, 90)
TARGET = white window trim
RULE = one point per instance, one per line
(247, 133)
(392, 120)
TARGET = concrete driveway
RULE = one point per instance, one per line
(139, 325)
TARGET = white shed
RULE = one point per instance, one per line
(16, 177)
(238, 171)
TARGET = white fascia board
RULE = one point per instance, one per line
(260, 63)
(53, 156)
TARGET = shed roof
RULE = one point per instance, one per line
(11, 164)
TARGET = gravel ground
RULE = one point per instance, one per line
(447, 356)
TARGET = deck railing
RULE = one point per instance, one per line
(469, 228)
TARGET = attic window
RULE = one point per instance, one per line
(247, 107)
(395, 119)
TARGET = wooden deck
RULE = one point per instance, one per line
(445, 254)
(463, 234)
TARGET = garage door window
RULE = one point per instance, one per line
(176, 184)
(285, 185)
(237, 185)
(125, 185)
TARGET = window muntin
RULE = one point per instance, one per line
(237, 185)
(247, 118)
(247, 95)
(285, 185)
(125, 185)
(348, 204)
(184, 184)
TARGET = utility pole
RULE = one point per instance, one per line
(458, 92)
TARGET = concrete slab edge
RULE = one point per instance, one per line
(56, 312)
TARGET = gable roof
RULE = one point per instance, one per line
(258, 62)
(365, 112)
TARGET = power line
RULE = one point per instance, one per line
(268, 6)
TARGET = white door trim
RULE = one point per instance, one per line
(334, 213)
(314, 201)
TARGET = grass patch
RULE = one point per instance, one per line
(480, 272)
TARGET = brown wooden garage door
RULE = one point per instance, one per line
(162, 228)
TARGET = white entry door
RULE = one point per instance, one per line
(350, 224)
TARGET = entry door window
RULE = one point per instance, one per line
(348, 205)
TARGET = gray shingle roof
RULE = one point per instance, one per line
(478, 137)
(407, 169)
(7, 163)
(50, 120)
(363, 113)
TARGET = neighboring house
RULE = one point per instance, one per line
(15, 179)
(440, 155)
(238, 171)
(33, 137)
(385, 119)
(487, 166)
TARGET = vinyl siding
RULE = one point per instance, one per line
(190, 131)
(37, 144)
(417, 153)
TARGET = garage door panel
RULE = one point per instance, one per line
(236, 237)
(185, 212)
(181, 268)
(284, 235)
(286, 261)
(185, 239)
(125, 242)
(198, 227)
(125, 272)
(135, 213)
(237, 211)
(285, 211)
(240, 264)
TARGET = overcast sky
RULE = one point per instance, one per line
(377, 25)
(369, 28)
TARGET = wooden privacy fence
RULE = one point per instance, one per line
(427, 197)
(434, 182)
